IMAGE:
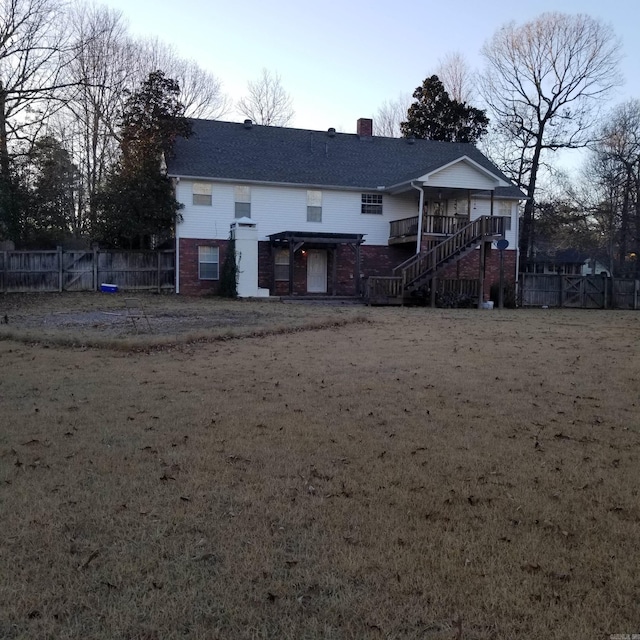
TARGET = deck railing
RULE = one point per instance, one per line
(389, 290)
(438, 225)
(384, 285)
(443, 225)
(404, 227)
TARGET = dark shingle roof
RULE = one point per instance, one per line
(230, 151)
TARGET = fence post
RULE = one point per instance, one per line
(5, 270)
(605, 291)
(561, 291)
(636, 286)
(60, 274)
(159, 265)
(481, 264)
(95, 269)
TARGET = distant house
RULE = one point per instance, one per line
(321, 212)
(566, 262)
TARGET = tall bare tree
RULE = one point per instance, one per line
(389, 116)
(267, 102)
(615, 174)
(34, 47)
(457, 77)
(201, 92)
(99, 74)
(544, 82)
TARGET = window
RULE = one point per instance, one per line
(243, 202)
(314, 206)
(281, 265)
(461, 207)
(371, 203)
(208, 263)
(202, 194)
(504, 210)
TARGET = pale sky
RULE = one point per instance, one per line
(340, 61)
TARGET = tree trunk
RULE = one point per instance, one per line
(526, 230)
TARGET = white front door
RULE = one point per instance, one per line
(316, 271)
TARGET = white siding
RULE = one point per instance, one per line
(460, 176)
(277, 209)
(482, 207)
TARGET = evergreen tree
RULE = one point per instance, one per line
(435, 116)
(54, 186)
(138, 204)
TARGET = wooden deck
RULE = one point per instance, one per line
(417, 274)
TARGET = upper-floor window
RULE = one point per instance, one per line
(202, 193)
(314, 206)
(371, 203)
(243, 202)
(504, 210)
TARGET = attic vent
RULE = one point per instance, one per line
(248, 124)
(331, 132)
(411, 140)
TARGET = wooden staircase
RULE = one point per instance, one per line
(420, 269)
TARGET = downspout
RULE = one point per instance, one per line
(421, 205)
(177, 236)
(177, 261)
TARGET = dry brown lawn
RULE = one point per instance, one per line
(433, 474)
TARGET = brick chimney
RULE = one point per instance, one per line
(365, 127)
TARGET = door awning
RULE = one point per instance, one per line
(295, 237)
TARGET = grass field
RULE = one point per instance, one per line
(400, 473)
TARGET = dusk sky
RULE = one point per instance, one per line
(340, 60)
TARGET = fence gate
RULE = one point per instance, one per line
(571, 291)
(595, 292)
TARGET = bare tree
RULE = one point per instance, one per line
(267, 102)
(201, 92)
(543, 83)
(33, 53)
(98, 75)
(457, 77)
(615, 172)
(389, 116)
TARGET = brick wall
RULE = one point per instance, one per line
(468, 268)
(380, 261)
(345, 274)
(374, 261)
(190, 284)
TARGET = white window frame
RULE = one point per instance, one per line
(202, 194)
(371, 204)
(505, 210)
(314, 206)
(208, 255)
(280, 261)
(243, 199)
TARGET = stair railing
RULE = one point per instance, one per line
(426, 263)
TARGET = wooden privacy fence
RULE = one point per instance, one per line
(584, 292)
(41, 271)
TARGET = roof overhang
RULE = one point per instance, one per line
(266, 183)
